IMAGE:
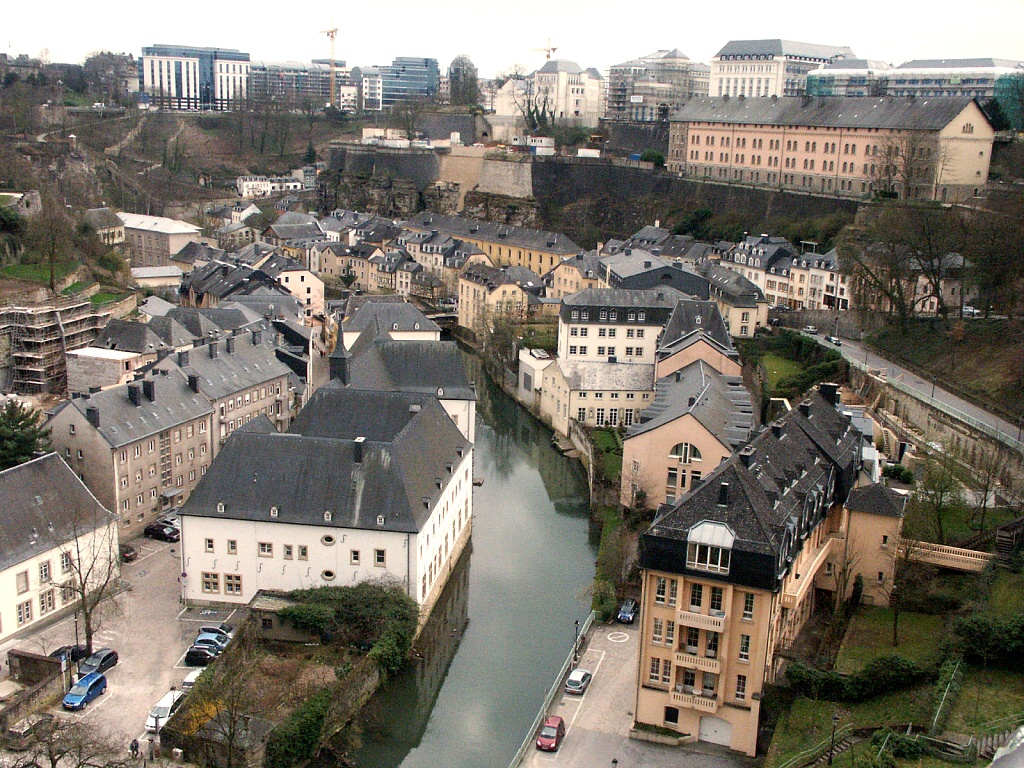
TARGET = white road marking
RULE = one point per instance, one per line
(617, 637)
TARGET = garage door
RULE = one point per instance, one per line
(715, 730)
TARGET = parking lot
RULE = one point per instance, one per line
(148, 627)
(598, 722)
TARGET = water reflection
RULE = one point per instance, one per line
(469, 701)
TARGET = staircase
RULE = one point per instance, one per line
(990, 742)
(841, 746)
(1005, 541)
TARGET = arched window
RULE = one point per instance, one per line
(685, 453)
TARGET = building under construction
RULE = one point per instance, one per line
(35, 340)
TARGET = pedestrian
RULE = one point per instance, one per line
(134, 749)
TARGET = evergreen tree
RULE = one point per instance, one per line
(310, 157)
(21, 434)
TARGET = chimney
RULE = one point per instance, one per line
(257, 338)
(357, 450)
(135, 394)
(212, 347)
(230, 344)
(183, 359)
(679, 376)
(777, 428)
(149, 389)
(92, 415)
(746, 455)
(647, 264)
(692, 402)
(193, 382)
(830, 392)
(805, 408)
(723, 495)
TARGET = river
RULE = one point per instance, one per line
(506, 620)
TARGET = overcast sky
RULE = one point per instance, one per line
(499, 36)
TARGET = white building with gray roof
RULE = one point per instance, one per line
(768, 67)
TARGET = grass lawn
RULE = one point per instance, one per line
(608, 446)
(808, 723)
(81, 285)
(870, 636)
(986, 695)
(1007, 596)
(540, 336)
(105, 298)
(36, 273)
(957, 522)
(778, 367)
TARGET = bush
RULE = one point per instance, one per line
(297, 738)
(604, 602)
(988, 639)
(857, 594)
(881, 675)
(947, 688)
(899, 473)
(900, 746)
(653, 156)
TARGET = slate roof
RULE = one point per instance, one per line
(392, 478)
(202, 321)
(351, 413)
(102, 218)
(583, 375)
(506, 234)
(692, 321)
(887, 112)
(422, 367)
(877, 499)
(248, 366)
(278, 264)
(171, 332)
(733, 286)
(720, 403)
(157, 224)
(286, 232)
(783, 48)
(122, 422)
(958, 64)
(493, 278)
(44, 505)
(622, 297)
(770, 483)
(193, 252)
(126, 336)
(154, 306)
(389, 316)
(586, 263)
(560, 65)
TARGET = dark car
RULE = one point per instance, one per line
(161, 532)
(70, 652)
(100, 661)
(128, 553)
(627, 611)
(200, 656)
(85, 690)
(551, 733)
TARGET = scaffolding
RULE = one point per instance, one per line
(35, 340)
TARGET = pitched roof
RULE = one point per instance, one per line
(355, 481)
(351, 413)
(193, 252)
(44, 505)
(157, 224)
(584, 375)
(691, 321)
(458, 226)
(393, 316)
(248, 365)
(127, 336)
(877, 499)
(720, 403)
(778, 47)
(887, 112)
(102, 218)
(434, 368)
(560, 65)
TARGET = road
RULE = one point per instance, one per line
(854, 350)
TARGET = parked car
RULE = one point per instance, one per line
(85, 690)
(812, 330)
(835, 340)
(170, 521)
(128, 553)
(218, 629)
(100, 661)
(971, 312)
(551, 733)
(578, 681)
(627, 611)
(24, 733)
(161, 532)
(200, 655)
(190, 680)
(164, 708)
(220, 642)
(71, 652)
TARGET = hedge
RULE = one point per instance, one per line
(882, 675)
(297, 738)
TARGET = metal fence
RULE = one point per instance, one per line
(811, 754)
(550, 696)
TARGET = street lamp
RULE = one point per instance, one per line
(832, 745)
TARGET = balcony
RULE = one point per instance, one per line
(703, 663)
(795, 593)
(714, 623)
(695, 701)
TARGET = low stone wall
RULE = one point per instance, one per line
(47, 683)
(639, 734)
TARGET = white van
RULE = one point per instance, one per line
(163, 710)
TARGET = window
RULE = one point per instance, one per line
(689, 680)
(266, 549)
(379, 559)
(209, 545)
(673, 591)
(658, 631)
(744, 647)
(24, 612)
(741, 686)
(44, 571)
(303, 552)
(885, 541)
(703, 557)
(666, 672)
(696, 596)
(232, 584)
(267, 623)
(685, 453)
(211, 583)
(672, 715)
(881, 577)
(232, 547)
(716, 599)
(692, 638)
(654, 676)
(47, 602)
(670, 632)
(660, 588)
(354, 557)
(711, 648)
(65, 562)
(287, 551)
(748, 606)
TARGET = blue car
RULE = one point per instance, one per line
(85, 690)
(627, 611)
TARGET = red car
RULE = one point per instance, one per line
(551, 734)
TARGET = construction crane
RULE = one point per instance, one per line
(549, 50)
(332, 33)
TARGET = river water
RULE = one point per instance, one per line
(506, 620)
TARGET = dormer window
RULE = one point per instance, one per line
(709, 547)
(575, 314)
(603, 315)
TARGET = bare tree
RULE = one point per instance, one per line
(50, 235)
(843, 572)
(939, 495)
(71, 744)
(92, 561)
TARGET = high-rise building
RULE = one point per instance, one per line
(652, 87)
(184, 77)
(294, 80)
(409, 78)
